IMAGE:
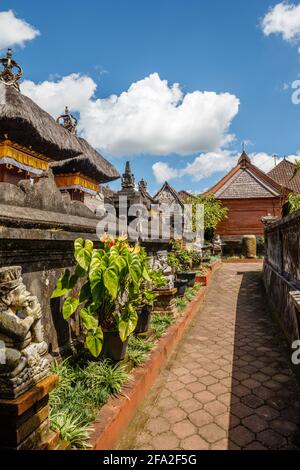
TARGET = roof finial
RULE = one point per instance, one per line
(143, 186)
(69, 121)
(244, 146)
(128, 181)
(7, 75)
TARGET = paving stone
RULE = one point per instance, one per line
(195, 387)
(183, 429)
(241, 436)
(215, 408)
(220, 445)
(194, 442)
(157, 425)
(267, 412)
(201, 418)
(174, 415)
(212, 433)
(255, 423)
(252, 401)
(271, 439)
(166, 441)
(181, 395)
(205, 397)
(228, 385)
(191, 405)
(217, 389)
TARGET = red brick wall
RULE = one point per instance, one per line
(244, 216)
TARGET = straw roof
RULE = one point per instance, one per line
(24, 122)
(90, 164)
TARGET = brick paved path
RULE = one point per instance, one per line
(228, 384)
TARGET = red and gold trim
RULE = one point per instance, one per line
(22, 156)
(76, 180)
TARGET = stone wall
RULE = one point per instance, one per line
(282, 271)
(44, 254)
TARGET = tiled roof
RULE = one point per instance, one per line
(283, 172)
(185, 196)
(245, 181)
(244, 184)
(161, 195)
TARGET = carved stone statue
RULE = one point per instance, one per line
(24, 360)
(160, 263)
(217, 245)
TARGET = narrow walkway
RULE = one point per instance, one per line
(228, 385)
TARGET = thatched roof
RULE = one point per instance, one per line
(90, 164)
(27, 124)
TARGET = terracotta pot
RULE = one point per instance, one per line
(113, 348)
(190, 276)
(144, 316)
(181, 285)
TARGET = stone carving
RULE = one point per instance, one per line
(24, 360)
(7, 75)
(128, 181)
(159, 262)
(217, 245)
(42, 193)
(68, 121)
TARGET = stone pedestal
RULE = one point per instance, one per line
(24, 422)
(165, 303)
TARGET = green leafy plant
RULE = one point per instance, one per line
(294, 202)
(214, 213)
(158, 279)
(180, 256)
(105, 376)
(160, 323)
(139, 349)
(71, 429)
(112, 278)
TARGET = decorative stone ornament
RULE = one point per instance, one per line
(159, 262)
(68, 121)
(7, 75)
(24, 359)
(127, 181)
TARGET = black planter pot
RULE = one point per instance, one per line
(181, 285)
(144, 315)
(190, 276)
(113, 348)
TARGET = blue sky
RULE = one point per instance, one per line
(202, 45)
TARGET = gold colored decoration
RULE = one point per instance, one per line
(23, 155)
(7, 75)
(66, 181)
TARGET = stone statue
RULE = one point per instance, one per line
(160, 263)
(24, 360)
(217, 245)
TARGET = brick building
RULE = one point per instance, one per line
(249, 194)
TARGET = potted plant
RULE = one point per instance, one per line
(196, 259)
(184, 257)
(144, 312)
(111, 278)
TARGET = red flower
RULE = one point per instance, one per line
(111, 243)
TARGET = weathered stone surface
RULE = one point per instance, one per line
(24, 352)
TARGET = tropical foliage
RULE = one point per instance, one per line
(294, 202)
(214, 212)
(112, 278)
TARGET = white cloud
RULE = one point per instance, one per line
(208, 164)
(75, 91)
(14, 31)
(151, 117)
(284, 19)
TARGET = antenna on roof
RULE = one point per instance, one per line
(276, 157)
